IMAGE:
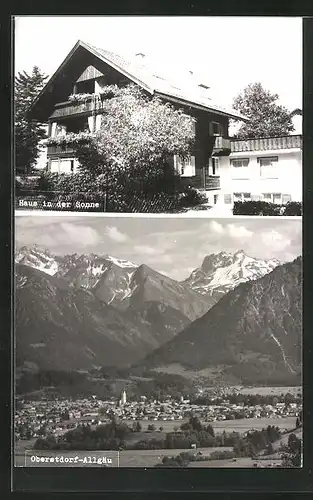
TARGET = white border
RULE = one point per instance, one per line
(201, 214)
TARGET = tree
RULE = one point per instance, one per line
(137, 426)
(134, 147)
(292, 455)
(266, 117)
(28, 133)
(151, 427)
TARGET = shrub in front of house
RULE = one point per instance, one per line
(256, 208)
(293, 208)
(191, 197)
(119, 193)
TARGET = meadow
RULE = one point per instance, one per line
(240, 425)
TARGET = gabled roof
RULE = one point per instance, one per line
(148, 79)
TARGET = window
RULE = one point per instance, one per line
(274, 197)
(286, 198)
(242, 196)
(240, 168)
(216, 128)
(277, 198)
(267, 197)
(185, 167)
(85, 87)
(62, 166)
(215, 199)
(227, 199)
(214, 165)
(239, 162)
(268, 167)
(54, 166)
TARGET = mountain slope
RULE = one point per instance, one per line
(253, 334)
(62, 327)
(117, 282)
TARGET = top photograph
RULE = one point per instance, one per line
(189, 116)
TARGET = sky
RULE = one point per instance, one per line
(171, 246)
(227, 53)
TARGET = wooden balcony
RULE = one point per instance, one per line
(221, 146)
(56, 150)
(68, 108)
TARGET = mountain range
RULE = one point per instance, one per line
(252, 334)
(83, 311)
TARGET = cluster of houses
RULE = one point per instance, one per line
(224, 168)
(39, 418)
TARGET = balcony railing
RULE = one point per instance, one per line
(70, 108)
(55, 150)
(266, 143)
(221, 146)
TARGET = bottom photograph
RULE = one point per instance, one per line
(157, 342)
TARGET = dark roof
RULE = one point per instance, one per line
(148, 79)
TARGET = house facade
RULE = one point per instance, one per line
(268, 169)
(72, 101)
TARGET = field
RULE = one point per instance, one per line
(240, 425)
(265, 391)
(125, 458)
(149, 458)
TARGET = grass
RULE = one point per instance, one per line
(240, 425)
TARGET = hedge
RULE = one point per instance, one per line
(292, 208)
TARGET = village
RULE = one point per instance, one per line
(41, 418)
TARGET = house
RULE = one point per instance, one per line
(268, 169)
(71, 102)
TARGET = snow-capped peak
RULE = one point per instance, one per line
(121, 262)
(224, 271)
(38, 258)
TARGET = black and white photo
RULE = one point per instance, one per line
(158, 341)
(165, 115)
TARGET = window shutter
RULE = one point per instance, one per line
(193, 165)
(53, 129)
(211, 128)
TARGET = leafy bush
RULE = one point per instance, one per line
(265, 208)
(222, 455)
(191, 197)
(256, 208)
(293, 208)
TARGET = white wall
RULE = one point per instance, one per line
(289, 179)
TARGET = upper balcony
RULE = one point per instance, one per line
(221, 146)
(79, 107)
(56, 150)
(266, 144)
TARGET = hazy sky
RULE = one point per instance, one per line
(226, 52)
(174, 247)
